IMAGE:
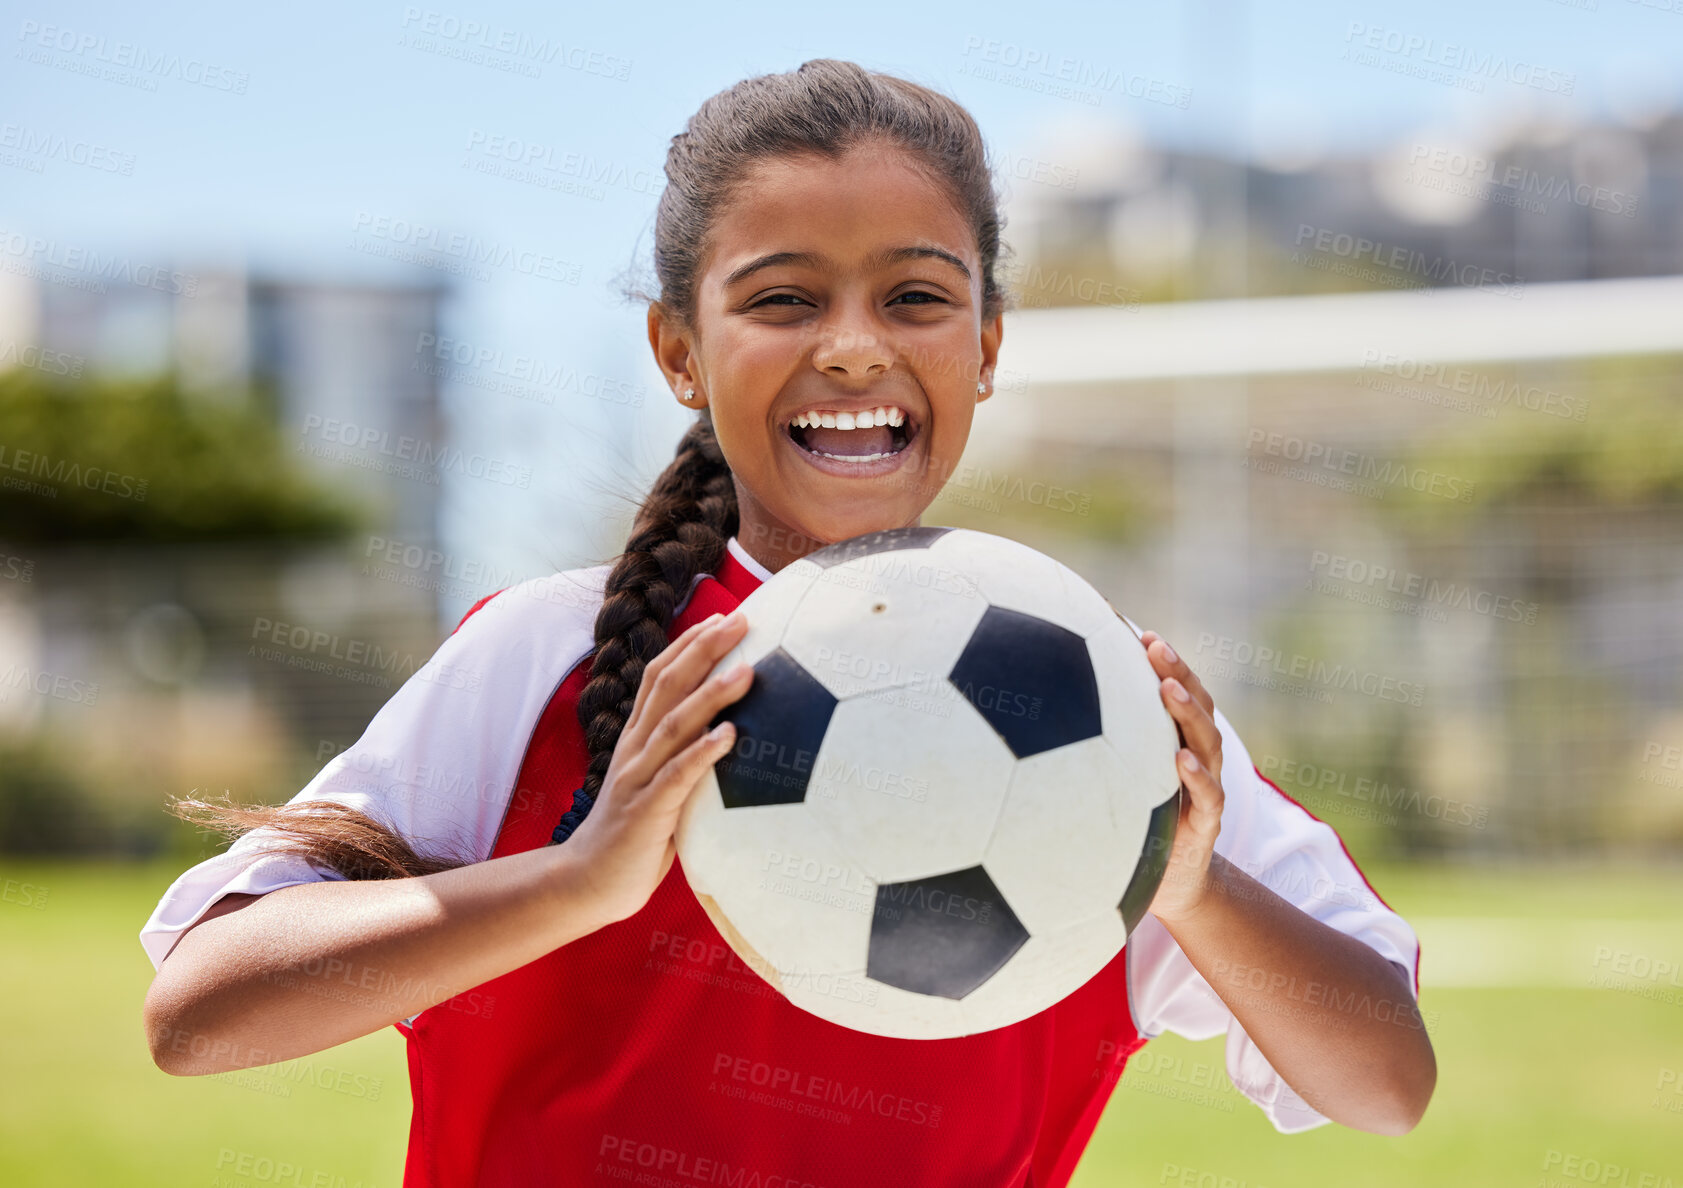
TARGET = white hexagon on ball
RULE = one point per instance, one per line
(898, 821)
(1055, 877)
(851, 629)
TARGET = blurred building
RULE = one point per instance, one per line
(1531, 202)
(339, 367)
(1403, 646)
(235, 665)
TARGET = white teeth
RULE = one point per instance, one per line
(852, 457)
(883, 414)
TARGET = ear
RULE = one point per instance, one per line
(671, 346)
(993, 332)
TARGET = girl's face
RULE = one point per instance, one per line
(832, 291)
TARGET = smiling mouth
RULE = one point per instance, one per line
(857, 437)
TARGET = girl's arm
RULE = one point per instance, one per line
(1333, 1017)
(304, 967)
(270, 977)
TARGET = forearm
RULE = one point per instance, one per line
(1331, 1015)
(306, 967)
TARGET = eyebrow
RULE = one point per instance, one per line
(814, 260)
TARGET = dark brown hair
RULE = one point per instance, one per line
(826, 107)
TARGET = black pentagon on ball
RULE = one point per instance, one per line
(944, 935)
(780, 723)
(887, 541)
(1154, 858)
(1031, 680)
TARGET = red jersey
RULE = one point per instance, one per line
(646, 1052)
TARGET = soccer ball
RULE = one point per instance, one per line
(953, 788)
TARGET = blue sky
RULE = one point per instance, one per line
(299, 120)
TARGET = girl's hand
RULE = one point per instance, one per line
(1187, 879)
(627, 841)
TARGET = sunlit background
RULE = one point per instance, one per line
(1347, 352)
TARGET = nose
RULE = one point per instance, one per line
(849, 345)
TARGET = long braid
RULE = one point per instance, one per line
(680, 532)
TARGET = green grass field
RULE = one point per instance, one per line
(1539, 1072)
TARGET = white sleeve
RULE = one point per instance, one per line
(438, 762)
(1300, 859)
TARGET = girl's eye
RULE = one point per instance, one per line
(788, 299)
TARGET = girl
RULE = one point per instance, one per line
(826, 250)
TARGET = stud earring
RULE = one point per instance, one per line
(981, 386)
(689, 395)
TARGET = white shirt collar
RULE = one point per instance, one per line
(747, 562)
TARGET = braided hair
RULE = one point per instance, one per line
(679, 534)
(825, 107)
